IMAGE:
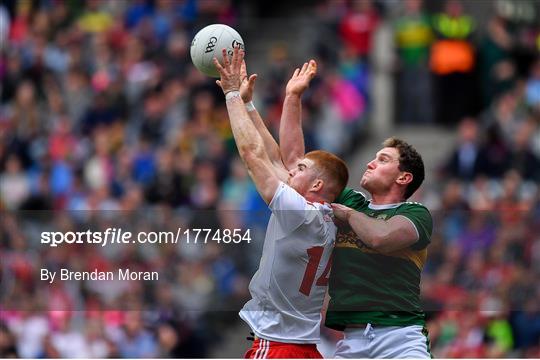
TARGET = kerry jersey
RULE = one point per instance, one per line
(370, 287)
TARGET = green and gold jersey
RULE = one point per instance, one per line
(369, 287)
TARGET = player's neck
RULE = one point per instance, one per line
(386, 198)
(316, 198)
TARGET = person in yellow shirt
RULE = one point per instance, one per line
(95, 20)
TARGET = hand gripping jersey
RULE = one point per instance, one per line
(289, 287)
(371, 287)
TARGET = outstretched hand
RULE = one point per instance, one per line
(301, 78)
(230, 71)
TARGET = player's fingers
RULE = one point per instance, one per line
(218, 83)
(239, 58)
(217, 65)
(296, 72)
(252, 80)
(312, 68)
(243, 70)
(234, 57)
(226, 62)
(304, 68)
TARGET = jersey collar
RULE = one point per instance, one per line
(383, 206)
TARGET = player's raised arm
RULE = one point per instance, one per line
(272, 148)
(248, 140)
(291, 137)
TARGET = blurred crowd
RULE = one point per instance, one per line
(102, 112)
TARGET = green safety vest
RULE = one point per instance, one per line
(453, 28)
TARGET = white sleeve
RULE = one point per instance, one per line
(288, 207)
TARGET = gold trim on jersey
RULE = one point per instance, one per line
(350, 240)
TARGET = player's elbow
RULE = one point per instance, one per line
(376, 243)
(388, 241)
(380, 239)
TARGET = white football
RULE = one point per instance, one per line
(208, 43)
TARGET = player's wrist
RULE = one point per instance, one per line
(249, 106)
(231, 94)
(348, 215)
(293, 94)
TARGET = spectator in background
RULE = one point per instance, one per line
(179, 340)
(28, 114)
(522, 157)
(532, 91)
(94, 19)
(135, 341)
(14, 184)
(8, 348)
(237, 187)
(166, 186)
(455, 211)
(357, 27)
(414, 35)
(4, 27)
(452, 63)
(67, 342)
(497, 70)
(504, 117)
(465, 160)
(478, 234)
(20, 24)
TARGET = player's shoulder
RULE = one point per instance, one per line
(413, 203)
(320, 214)
(414, 206)
(352, 192)
(352, 198)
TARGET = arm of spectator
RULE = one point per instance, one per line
(384, 236)
(248, 140)
(291, 136)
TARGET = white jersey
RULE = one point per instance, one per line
(289, 287)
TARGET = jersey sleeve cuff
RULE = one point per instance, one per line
(414, 225)
(279, 190)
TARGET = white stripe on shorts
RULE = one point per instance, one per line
(267, 349)
(261, 344)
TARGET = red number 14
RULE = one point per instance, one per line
(314, 254)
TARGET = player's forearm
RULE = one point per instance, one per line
(372, 232)
(270, 144)
(245, 134)
(251, 148)
(291, 137)
(385, 236)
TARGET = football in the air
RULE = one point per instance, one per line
(209, 42)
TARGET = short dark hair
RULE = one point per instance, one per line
(410, 161)
(333, 170)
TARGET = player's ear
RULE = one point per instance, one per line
(404, 178)
(317, 185)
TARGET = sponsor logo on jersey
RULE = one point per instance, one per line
(350, 239)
